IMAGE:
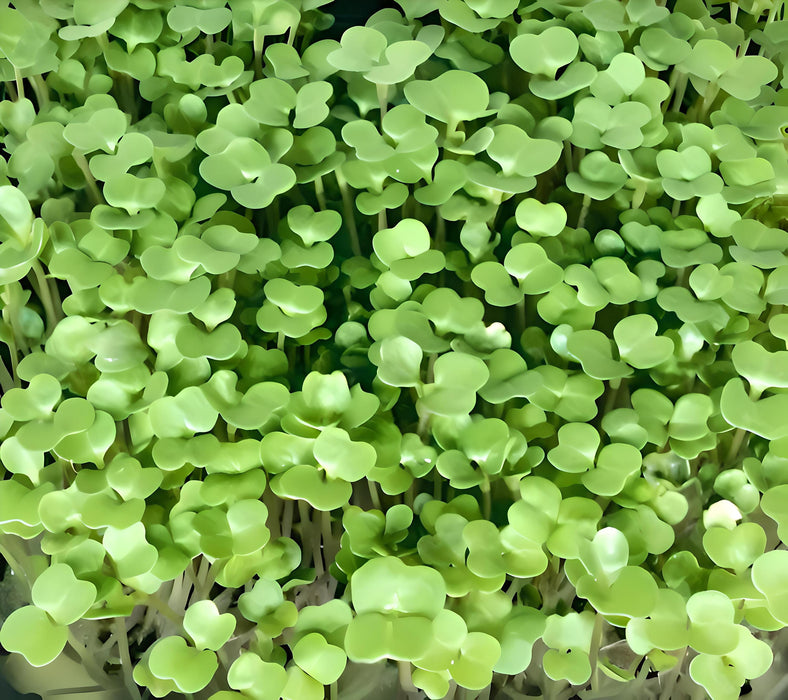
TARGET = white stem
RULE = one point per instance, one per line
(125, 657)
(583, 211)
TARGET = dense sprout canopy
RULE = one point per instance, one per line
(436, 349)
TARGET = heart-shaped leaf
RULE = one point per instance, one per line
(63, 595)
(452, 97)
(540, 219)
(208, 21)
(529, 263)
(312, 485)
(735, 549)
(712, 630)
(545, 53)
(389, 585)
(101, 131)
(519, 154)
(577, 447)
(725, 675)
(36, 401)
(341, 457)
(638, 344)
(172, 659)
(208, 628)
(31, 632)
(321, 660)
(263, 679)
(592, 349)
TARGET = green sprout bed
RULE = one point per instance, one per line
(441, 353)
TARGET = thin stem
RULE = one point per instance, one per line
(189, 591)
(55, 296)
(307, 536)
(451, 130)
(373, 493)
(486, 497)
(320, 193)
(258, 42)
(42, 86)
(103, 41)
(209, 43)
(741, 433)
(578, 155)
(274, 519)
(382, 222)
(156, 602)
(347, 208)
(125, 657)
(596, 642)
(681, 88)
(40, 97)
(430, 378)
(88, 661)
(327, 534)
(106, 646)
(515, 587)
(203, 579)
(736, 444)
(14, 561)
(383, 98)
(405, 679)
(521, 315)
(20, 85)
(318, 548)
(424, 423)
(710, 94)
(287, 518)
(667, 692)
(410, 495)
(440, 233)
(639, 194)
(127, 94)
(568, 157)
(45, 295)
(583, 211)
(224, 659)
(612, 396)
(6, 380)
(90, 181)
(773, 10)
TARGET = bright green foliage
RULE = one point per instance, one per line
(569, 640)
(31, 632)
(441, 351)
(172, 661)
(207, 628)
